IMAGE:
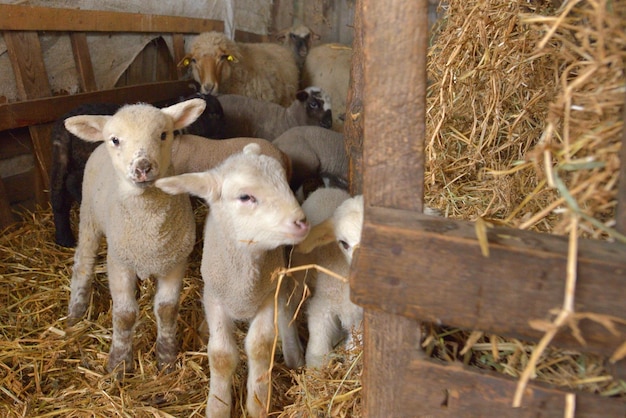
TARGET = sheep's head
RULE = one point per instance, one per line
(249, 194)
(298, 39)
(317, 103)
(343, 227)
(211, 57)
(138, 137)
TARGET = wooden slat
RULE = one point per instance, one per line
(393, 144)
(82, 59)
(432, 269)
(178, 42)
(24, 51)
(433, 389)
(620, 216)
(34, 112)
(15, 17)
(6, 216)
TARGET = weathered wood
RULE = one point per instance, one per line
(34, 112)
(31, 18)
(6, 216)
(353, 126)
(178, 41)
(432, 269)
(391, 342)
(393, 145)
(433, 389)
(31, 78)
(82, 59)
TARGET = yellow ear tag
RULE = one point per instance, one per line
(230, 58)
(186, 62)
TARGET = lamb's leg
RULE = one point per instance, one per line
(166, 302)
(288, 326)
(122, 283)
(82, 274)
(322, 331)
(223, 359)
(259, 342)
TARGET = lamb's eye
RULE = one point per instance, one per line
(344, 244)
(163, 136)
(115, 141)
(314, 105)
(247, 198)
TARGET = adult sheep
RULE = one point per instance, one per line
(314, 152)
(264, 71)
(149, 233)
(253, 215)
(336, 224)
(298, 39)
(248, 117)
(328, 67)
(70, 154)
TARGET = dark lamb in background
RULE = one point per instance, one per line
(70, 154)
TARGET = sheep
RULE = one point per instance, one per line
(70, 154)
(264, 71)
(149, 233)
(336, 219)
(253, 215)
(245, 116)
(314, 152)
(328, 67)
(297, 39)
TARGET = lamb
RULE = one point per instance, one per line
(264, 71)
(70, 154)
(336, 219)
(253, 215)
(328, 67)
(314, 152)
(297, 39)
(245, 116)
(149, 233)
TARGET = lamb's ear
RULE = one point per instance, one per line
(87, 127)
(185, 113)
(205, 185)
(302, 95)
(320, 235)
(252, 149)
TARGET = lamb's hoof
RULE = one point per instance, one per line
(120, 362)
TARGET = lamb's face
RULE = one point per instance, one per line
(263, 210)
(318, 106)
(139, 140)
(348, 224)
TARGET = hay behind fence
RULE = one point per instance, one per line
(515, 87)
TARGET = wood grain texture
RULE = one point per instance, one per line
(31, 18)
(432, 269)
(82, 59)
(438, 390)
(34, 112)
(395, 43)
(620, 216)
(353, 126)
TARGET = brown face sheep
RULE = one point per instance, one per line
(264, 71)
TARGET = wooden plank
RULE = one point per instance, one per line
(433, 389)
(394, 146)
(34, 112)
(391, 342)
(31, 18)
(353, 126)
(82, 59)
(31, 78)
(6, 215)
(178, 44)
(432, 269)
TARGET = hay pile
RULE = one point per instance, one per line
(524, 124)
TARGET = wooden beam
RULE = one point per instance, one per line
(33, 18)
(432, 269)
(433, 389)
(34, 112)
(82, 59)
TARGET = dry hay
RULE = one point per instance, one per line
(513, 85)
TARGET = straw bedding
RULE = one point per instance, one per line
(523, 128)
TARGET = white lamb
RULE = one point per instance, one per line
(336, 223)
(253, 214)
(149, 233)
(264, 71)
(248, 117)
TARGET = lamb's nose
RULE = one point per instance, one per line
(142, 169)
(302, 224)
